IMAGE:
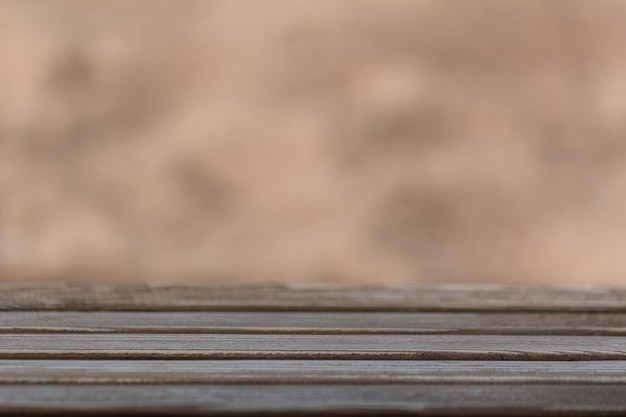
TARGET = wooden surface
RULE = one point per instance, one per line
(308, 371)
(522, 323)
(388, 399)
(279, 298)
(297, 346)
(453, 350)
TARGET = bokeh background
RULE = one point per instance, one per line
(313, 141)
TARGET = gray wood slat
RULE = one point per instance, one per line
(460, 399)
(315, 322)
(261, 346)
(308, 372)
(413, 298)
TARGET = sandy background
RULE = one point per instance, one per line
(370, 141)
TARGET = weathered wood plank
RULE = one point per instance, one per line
(414, 298)
(416, 399)
(308, 372)
(572, 323)
(261, 346)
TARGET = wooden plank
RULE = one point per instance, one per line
(413, 298)
(572, 323)
(86, 372)
(460, 399)
(238, 346)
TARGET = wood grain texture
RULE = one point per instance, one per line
(264, 372)
(414, 298)
(417, 399)
(453, 350)
(572, 323)
(237, 346)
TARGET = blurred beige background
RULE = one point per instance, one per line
(313, 141)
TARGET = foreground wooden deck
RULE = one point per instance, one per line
(453, 350)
